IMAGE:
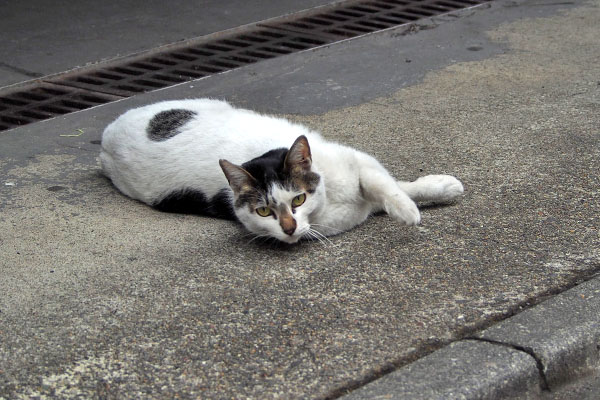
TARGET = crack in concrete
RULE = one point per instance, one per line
(538, 361)
(21, 71)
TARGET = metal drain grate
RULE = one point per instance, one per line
(43, 101)
(102, 83)
(193, 61)
(368, 16)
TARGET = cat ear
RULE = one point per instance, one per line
(239, 179)
(298, 157)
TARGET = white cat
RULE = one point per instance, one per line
(279, 179)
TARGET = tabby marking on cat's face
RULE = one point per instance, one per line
(277, 193)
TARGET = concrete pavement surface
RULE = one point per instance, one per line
(103, 297)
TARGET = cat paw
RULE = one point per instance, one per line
(403, 209)
(441, 188)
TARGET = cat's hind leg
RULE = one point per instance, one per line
(433, 188)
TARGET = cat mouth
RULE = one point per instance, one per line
(296, 236)
(292, 239)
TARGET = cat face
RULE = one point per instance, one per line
(276, 194)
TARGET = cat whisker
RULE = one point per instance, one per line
(264, 237)
(310, 235)
(313, 234)
(337, 231)
(323, 237)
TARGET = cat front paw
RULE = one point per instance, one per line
(403, 209)
(441, 188)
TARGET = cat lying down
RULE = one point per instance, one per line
(279, 179)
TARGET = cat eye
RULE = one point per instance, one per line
(264, 211)
(298, 200)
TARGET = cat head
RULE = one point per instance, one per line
(276, 194)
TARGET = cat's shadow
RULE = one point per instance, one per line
(435, 206)
(249, 242)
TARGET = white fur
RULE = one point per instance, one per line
(353, 184)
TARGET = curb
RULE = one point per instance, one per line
(521, 357)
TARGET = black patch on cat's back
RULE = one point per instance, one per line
(166, 124)
(190, 201)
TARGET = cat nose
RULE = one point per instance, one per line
(288, 223)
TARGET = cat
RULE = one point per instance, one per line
(279, 179)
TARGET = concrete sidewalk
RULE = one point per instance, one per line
(541, 353)
(106, 298)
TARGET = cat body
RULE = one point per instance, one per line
(277, 178)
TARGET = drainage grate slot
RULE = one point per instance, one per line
(184, 57)
(311, 41)
(364, 9)
(390, 20)
(199, 52)
(35, 115)
(145, 82)
(31, 96)
(108, 76)
(14, 120)
(254, 39)
(300, 25)
(130, 71)
(332, 17)
(12, 102)
(75, 104)
(223, 51)
(41, 101)
(226, 65)
(188, 73)
(257, 54)
(318, 21)
(55, 109)
(162, 61)
(271, 34)
(204, 68)
(296, 46)
(276, 50)
(242, 60)
(348, 13)
(90, 81)
(131, 88)
(53, 92)
(235, 43)
(217, 47)
(169, 78)
(436, 8)
(94, 99)
(406, 17)
(420, 12)
(373, 25)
